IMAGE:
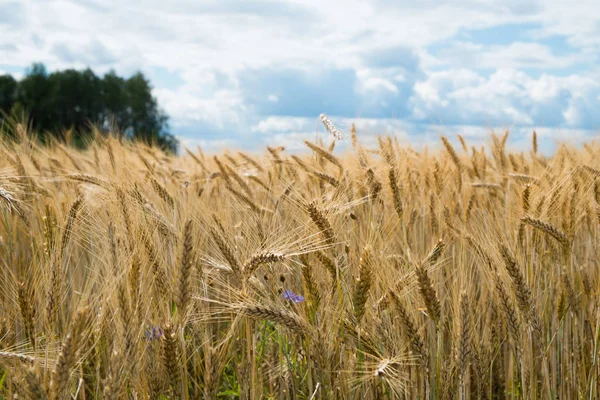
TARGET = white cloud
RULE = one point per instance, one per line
(386, 45)
(283, 124)
(433, 91)
(209, 145)
(222, 108)
(230, 35)
(514, 55)
(507, 96)
(376, 84)
(576, 21)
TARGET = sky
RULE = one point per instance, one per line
(246, 74)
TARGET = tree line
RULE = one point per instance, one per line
(71, 100)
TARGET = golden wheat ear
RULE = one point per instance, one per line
(186, 268)
(171, 359)
(68, 355)
(325, 154)
(320, 220)
(34, 386)
(363, 284)
(547, 228)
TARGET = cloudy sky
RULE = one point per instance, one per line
(243, 73)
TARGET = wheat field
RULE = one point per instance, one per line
(375, 273)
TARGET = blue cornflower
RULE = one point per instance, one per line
(291, 296)
(154, 333)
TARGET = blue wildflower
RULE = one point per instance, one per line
(291, 296)
(154, 333)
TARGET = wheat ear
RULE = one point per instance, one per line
(68, 356)
(428, 293)
(185, 274)
(171, 359)
(548, 228)
(325, 154)
(363, 284)
(396, 195)
(281, 316)
(321, 221)
(417, 344)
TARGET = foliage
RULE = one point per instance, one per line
(71, 100)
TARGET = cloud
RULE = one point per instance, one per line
(222, 109)
(392, 57)
(12, 14)
(236, 72)
(37, 40)
(91, 53)
(210, 145)
(165, 78)
(8, 47)
(582, 111)
(299, 92)
(262, 9)
(507, 97)
(579, 23)
(272, 125)
(513, 55)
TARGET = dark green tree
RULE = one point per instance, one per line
(114, 101)
(8, 93)
(145, 121)
(34, 94)
(76, 100)
(73, 100)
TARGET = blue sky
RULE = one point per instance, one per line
(249, 73)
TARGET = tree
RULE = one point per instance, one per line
(145, 121)
(76, 100)
(114, 101)
(34, 95)
(8, 93)
(73, 99)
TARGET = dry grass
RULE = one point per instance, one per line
(378, 273)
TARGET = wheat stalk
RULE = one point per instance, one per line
(7, 356)
(417, 344)
(34, 385)
(325, 154)
(68, 356)
(548, 228)
(26, 300)
(258, 259)
(464, 345)
(67, 232)
(428, 293)
(283, 317)
(396, 196)
(85, 178)
(363, 284)
(187, 262)
(321, 221)
(337, 135)
(171, 359)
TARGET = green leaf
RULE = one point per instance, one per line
(228, 393)
(2, 380)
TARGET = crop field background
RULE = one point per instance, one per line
(374, 273)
